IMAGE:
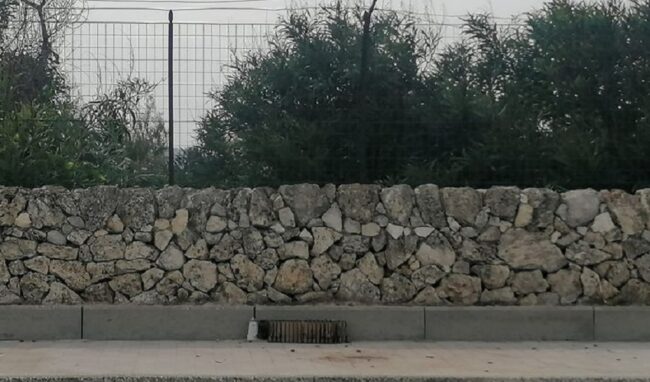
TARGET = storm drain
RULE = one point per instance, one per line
(304, 332)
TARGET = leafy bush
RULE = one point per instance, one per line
(562, 101)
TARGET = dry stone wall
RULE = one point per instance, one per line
(310, 244)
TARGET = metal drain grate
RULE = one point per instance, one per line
(304, 332)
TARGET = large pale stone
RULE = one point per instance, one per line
(261, 210)
(57, 252)
(229, 293)
(162, 238)
(4, 272)
(528, 251)
(179, 222)
(544, 203)
(23, 220)
(225, 249)
(97, 204)
(368, 266)
(107, 248)
(136, 207)
(462, 204)
(202, 275)
(396, 253)
(73, 273)
(114, 224)
(333, 218)
(61, 294)
(643, 265)
(171, 259)
(216, 224)
(199, 203)
(436, 250)
(524, 283)
(307, 201)
(34, 286)
(582, 254)
(325, 271)
(198, 250)
(248, 274)
(253, 242)
(627, 211)
(428, 275)
(357, 202)
(129, 284)
(566, 283)
(603, 223)
(492, 276)
(44, 212)
(324, 239)
(501, 296)
(397, 289)
(398, 201)
(294, 249)
(16, 249)
(582, 206)
(503, 201)
(151, 277)
(460, 289)
(39, 264)
(139, 250)
(356, 287)
(294, 277)
(430, 205)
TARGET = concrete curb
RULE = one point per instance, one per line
(365, 323)
(313, 379)
(19, 322)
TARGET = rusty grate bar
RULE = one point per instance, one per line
(304, 332)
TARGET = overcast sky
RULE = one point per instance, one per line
(442, 9)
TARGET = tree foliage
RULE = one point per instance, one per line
(560, 101)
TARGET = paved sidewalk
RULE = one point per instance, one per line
(395, 360)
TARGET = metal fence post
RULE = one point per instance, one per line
(170, 83)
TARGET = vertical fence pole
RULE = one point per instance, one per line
(170, 82)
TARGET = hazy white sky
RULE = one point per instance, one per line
(443, 9)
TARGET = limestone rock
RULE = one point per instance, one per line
(430, 205)
(57, 252)
(357, 202)
(107, 248)
(501, 296)
(643, 265)
(4, 272)
(171, 259)
(324, 238)
(627, 211)
(492, 276)
(566, 283)
(462, 204)
(436, 250)
(294, 277)
(524, 283)
(294, 249)
(34, 286)
(248, 274)
(603, 223)
(325, 271)
(73, 273)
(225, 249)
(139, 250)
(428, 297)
(136, 207)
(202, 275)
(333, 218)
(97, 204)
(525, 250)
(428, 275)
(261, 212)
(253, 242)
(229, 293)
(179, 222)
(399, 202)
(503, 201)
(151, 277)
(129, 284)
(368, 266)
(396, 254)
(216, 224)
(61, 294)
(114, 224)
(356, 287)
(582, 254)
(98, 293)
(307, 201)
(44, 212)
(397, 289)
(17, 249)
(582, 206)
(460, 289)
